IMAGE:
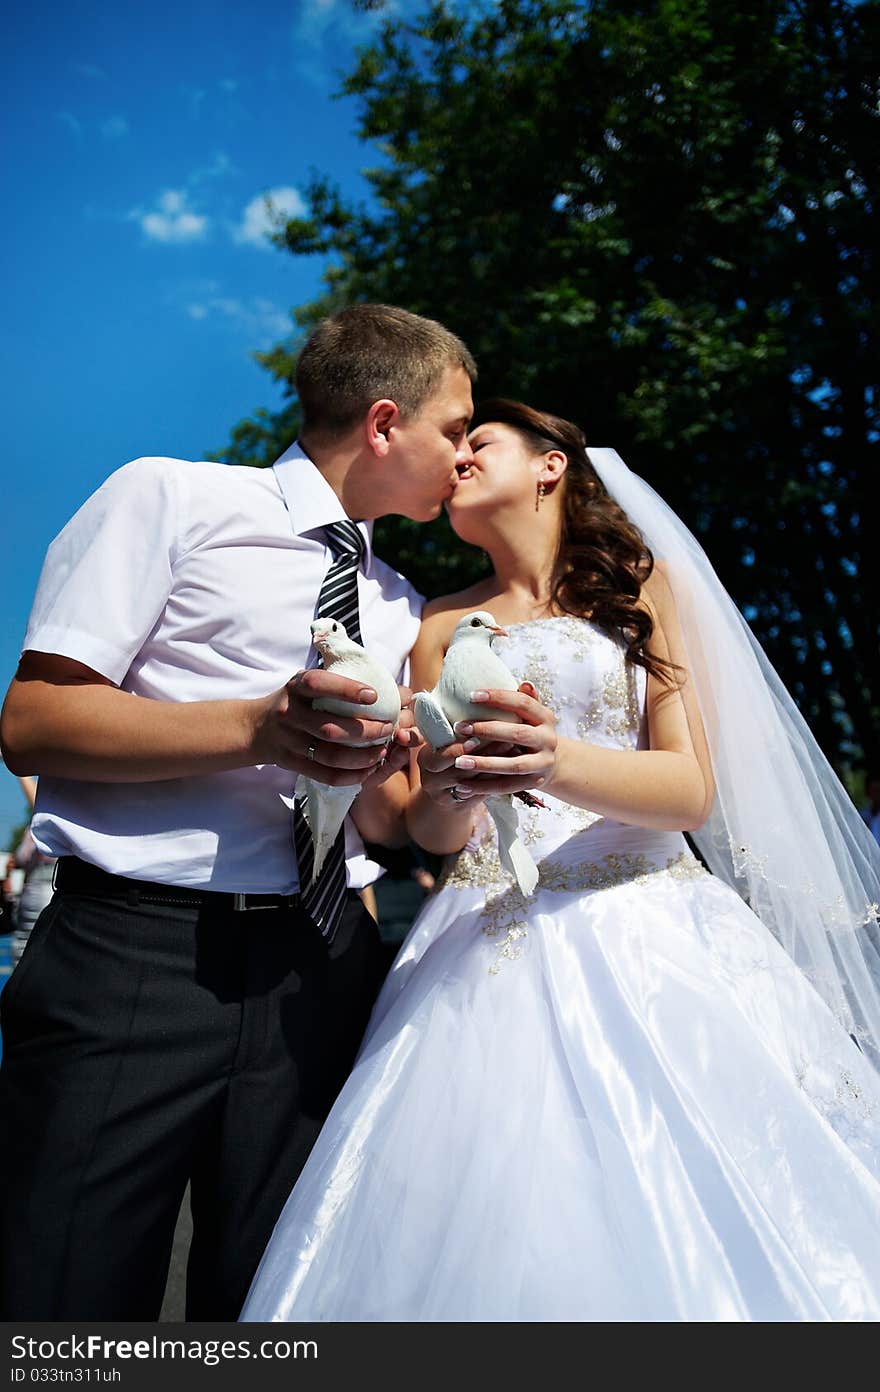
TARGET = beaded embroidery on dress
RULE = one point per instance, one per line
(583, 1106)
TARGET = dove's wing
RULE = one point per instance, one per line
(357, 664)
(325, 809)
(512, 853)
(431, 720)
(467, 667)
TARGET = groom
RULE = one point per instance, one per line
(189, 1004)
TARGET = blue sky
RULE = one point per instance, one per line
(140, 140)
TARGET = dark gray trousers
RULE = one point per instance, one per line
(147, 1046)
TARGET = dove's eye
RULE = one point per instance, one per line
(475, 623)
(335, 626)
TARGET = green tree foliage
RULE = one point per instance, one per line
(658, 219)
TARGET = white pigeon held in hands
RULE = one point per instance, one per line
(471, 665)
(324, 807)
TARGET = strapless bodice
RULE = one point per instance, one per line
(581, 674)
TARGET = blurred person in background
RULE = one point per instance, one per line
(36, 889)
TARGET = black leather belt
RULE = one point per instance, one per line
(75, 876)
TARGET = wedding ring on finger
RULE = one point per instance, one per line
(457, 796)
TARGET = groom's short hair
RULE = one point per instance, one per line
(369, 352)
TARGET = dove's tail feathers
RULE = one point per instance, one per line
(431, 720)
(323, 847)
(522, 867)
(513, 855)
(325, 810)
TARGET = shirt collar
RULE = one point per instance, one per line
(310, 500)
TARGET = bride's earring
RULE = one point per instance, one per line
(540, 494)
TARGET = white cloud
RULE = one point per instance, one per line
(219, 166)
(264, 214)
(325, 30)
(320, 21)
(114, 128)
(72, 124)
(261, 321)
(172, 221)
(315, 18)
(195, 96)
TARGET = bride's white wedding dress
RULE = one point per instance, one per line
(584, 1106)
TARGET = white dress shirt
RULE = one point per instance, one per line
(186, 581)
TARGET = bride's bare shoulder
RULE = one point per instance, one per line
(448, 609)
(439, 618)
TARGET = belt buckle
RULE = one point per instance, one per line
(240, 904)
(283, 901)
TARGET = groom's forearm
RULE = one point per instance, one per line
(99, 733)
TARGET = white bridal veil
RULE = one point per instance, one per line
(783, 831)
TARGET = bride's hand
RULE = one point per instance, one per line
(439, 776)
(522, 752)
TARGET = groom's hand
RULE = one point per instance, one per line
(405, 740)
(334, 749)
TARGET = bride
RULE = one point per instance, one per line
(649, 1091)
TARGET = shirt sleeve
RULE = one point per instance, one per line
(107, 575)
(417, 604)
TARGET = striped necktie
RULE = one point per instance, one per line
(324, 900)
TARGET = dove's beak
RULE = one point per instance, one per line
(500, 632)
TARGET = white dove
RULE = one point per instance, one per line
(471, 665)
(325, 808)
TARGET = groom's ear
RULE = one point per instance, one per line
(380, 419)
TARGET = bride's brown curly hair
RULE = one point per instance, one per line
(602, 560)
